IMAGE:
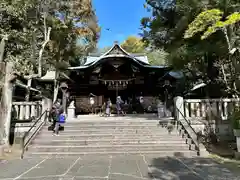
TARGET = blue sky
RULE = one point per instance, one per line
(122, 17)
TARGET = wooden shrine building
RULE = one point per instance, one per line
(117, 73)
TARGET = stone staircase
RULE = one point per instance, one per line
(109, 136)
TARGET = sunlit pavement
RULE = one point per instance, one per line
(120, 167)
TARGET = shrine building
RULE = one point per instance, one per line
(117, 73)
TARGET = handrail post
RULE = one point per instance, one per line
(46, 106)
(22, 146)
(184, 122)
(179, 108)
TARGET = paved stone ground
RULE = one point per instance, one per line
(121, 167)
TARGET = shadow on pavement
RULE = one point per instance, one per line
(184, 168)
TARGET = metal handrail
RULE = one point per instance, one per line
(25, 144)
(189, 125)
(27, 133)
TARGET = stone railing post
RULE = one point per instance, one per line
(46, 106)
(179, 107)
(27, 111)
(71, 111)
(22, 112)
(33, 110)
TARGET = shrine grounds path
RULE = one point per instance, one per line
(117, 167)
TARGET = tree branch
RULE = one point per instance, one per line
(47, 32)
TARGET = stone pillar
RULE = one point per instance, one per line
(27, 111)
(71, 111)
(22, 112)
(179, 107)
(46, 106)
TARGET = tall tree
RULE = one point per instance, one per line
(166, 27)
(133, 44)
(24, 23)
(209, 22)
(157, 57)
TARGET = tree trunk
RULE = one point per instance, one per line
(29, 84)
(233, 65)
(2, 47)
(6, 104)
(47, 32)
(56, 87)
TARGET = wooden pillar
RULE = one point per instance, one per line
(116, 90)
(6, 103)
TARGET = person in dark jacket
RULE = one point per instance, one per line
(57, 109)
(119, 103)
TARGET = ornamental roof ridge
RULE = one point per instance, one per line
(116, 49)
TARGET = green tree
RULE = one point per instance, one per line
(27, 24)
(209, 22)
(157, 57)
(133, 44)
(166, 28)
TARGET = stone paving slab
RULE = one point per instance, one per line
(117, 167)
(13, 168)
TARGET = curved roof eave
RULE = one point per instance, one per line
(105, 57)
(123, 54)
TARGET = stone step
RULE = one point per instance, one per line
(106, 136)
(85, 126)
(110, 132)
(105, 129)
(149, 145)
(132, 117)
(114, 121)
(73, 154)
(55, 142)
(153, 129)
(105, 121)
(105, 148)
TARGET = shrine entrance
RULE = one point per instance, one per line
(115, 88)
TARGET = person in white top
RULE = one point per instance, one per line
(91, 100)
(160, 108)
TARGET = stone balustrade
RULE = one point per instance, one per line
(27, 110)
(202, 112)
(201, 108)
